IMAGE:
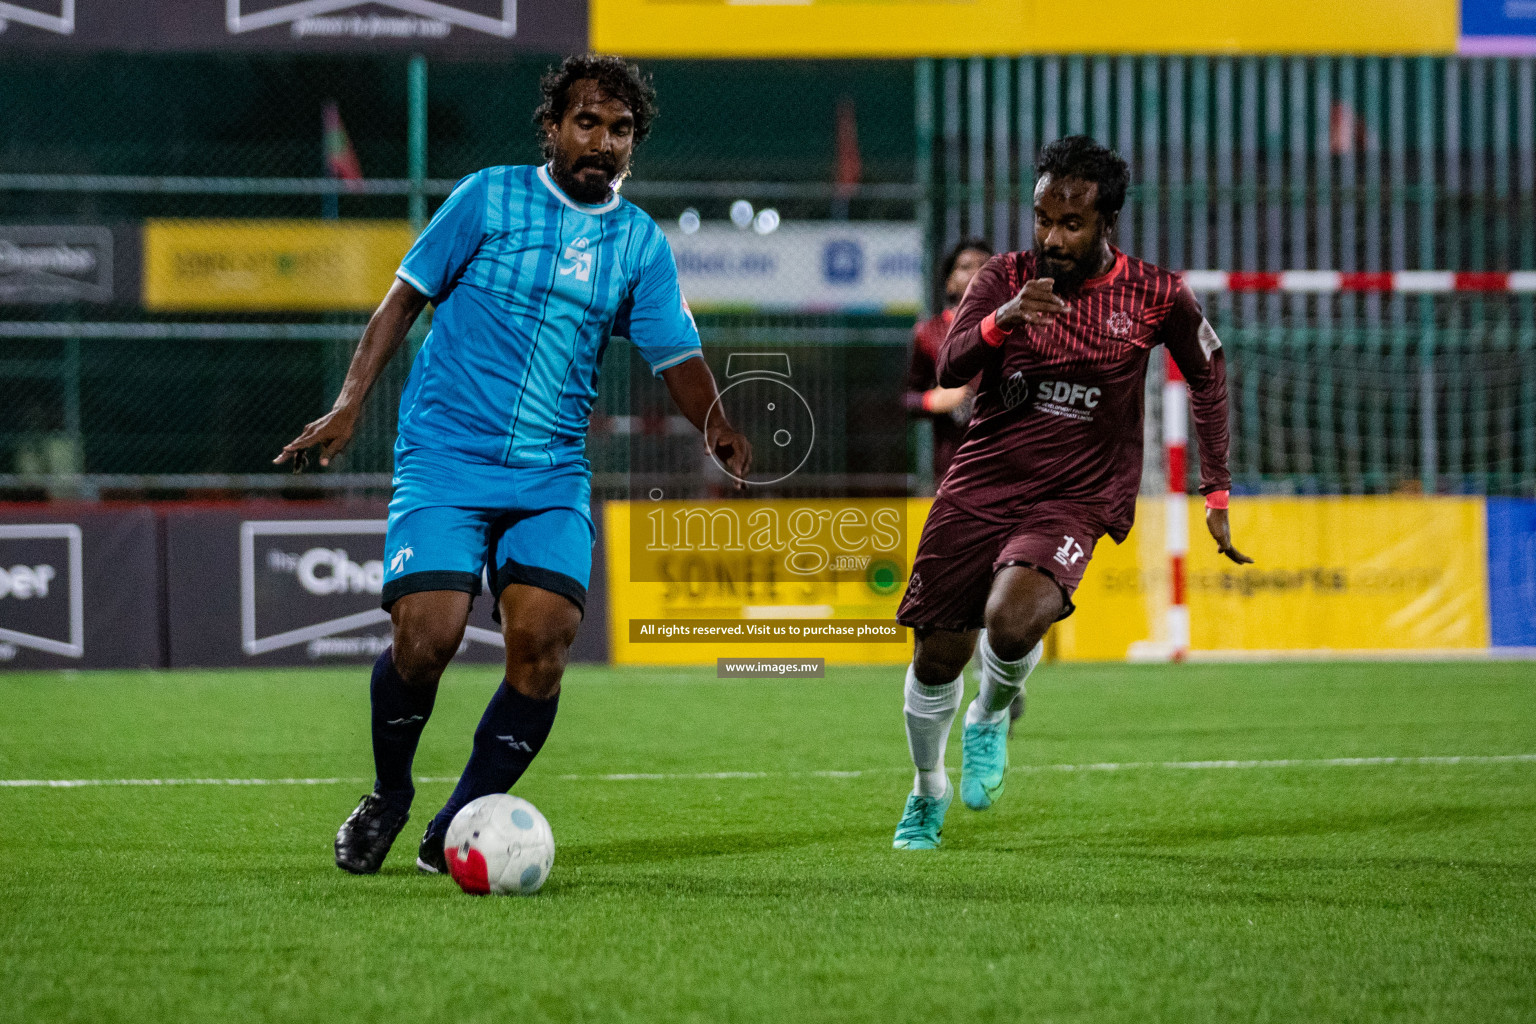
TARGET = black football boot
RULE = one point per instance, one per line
(365, 837)
(430, 859)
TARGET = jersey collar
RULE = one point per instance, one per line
(559, 193)
(1109, 275)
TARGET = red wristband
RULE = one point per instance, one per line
(990, 332)
(1217, 499)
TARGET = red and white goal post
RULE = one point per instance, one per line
(1174, 645)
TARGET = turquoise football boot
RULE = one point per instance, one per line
(922, 822)
(983, 763)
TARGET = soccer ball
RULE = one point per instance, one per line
(499, 844)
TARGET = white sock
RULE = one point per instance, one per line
(930, 711)
(1001, 681)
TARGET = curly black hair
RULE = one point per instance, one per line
(1080, 157)
(617, 78)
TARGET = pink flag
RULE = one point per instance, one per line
(340, 158)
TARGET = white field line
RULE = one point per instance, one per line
(1103, 766)
(82, 783)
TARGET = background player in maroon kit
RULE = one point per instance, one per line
(1051, 461)
(946, 408)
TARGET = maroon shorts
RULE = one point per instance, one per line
(958, 554)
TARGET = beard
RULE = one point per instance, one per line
(1068, 272)
(587, 187)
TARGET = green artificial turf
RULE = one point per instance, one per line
(1311, 892)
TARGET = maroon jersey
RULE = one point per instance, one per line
(1059, 408)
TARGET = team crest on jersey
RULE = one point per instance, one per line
(581, 260)
(1119, 324)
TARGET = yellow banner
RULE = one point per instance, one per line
(1124, 591)
(1340, 574)
(910, 28)
(1348, 574)
(692, 582)
(270, 265)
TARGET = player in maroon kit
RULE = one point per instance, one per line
(946, 408)
(1050, 463)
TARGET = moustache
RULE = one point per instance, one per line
(608, 167)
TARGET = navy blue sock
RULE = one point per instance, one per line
(400, 712)
(510, 735)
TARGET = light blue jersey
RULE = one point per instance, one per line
(528, 286)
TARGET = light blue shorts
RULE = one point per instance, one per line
(453, 523)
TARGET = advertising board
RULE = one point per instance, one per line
(450, 27)
(692, 582)
(270, 265)
(844, 266)
(1330, 574)
(79, 588)
(963, 28)
(277, 584)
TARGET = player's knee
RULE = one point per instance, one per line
(423, 652)
(1016, 623)
(536, 659)
(1013, 640)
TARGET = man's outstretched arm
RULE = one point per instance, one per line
(1197, 351)
(693, 390)
(386, 329)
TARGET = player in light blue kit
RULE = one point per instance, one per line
(531, 270)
